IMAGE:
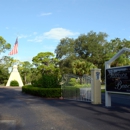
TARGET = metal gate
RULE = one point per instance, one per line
(76, 87)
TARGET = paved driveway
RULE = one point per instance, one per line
(20, 111)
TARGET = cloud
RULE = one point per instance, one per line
(26, 36)
(59, 33)
(44, 14)
(37, 39)
(55, 33)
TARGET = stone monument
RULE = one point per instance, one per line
(15, 76)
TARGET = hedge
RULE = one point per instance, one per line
(42, 92)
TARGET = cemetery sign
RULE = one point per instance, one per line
(118, 79)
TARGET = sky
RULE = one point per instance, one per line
(40, 24)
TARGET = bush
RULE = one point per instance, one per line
(42, 92)
(47, 81)
(83, 85)
(14, 83)
(50, 81)
(72, 81)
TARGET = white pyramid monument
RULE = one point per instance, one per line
(15, 76)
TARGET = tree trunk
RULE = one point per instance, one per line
(25, 78)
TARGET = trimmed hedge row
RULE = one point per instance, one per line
(42, 92)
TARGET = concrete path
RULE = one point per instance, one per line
(20, 111)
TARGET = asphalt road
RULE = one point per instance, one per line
(19, 111)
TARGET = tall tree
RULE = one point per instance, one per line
(113, 47)
(25, 71)
(46, 62)
(6, 61)
(93, 48)
(65, 48)
(81, 67)
(3, 74)
(65, 52)
(4, 45)
(90, 46)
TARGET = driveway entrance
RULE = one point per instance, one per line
(19, 111)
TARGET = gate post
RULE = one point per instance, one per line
(96, 86)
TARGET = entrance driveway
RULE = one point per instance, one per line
(19, 111)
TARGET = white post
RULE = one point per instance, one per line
(96, 86)
(107, 95)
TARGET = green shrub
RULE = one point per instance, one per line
(83, 85)
(50, 81)
(47, 81)
(14, 83)
(72, 81)
(42, 92)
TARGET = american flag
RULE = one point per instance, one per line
(15, 49)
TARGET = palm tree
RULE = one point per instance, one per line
(81, 67)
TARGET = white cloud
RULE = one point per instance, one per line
(26, 36)
(55, 33)
(37, 39)
(44, 14)
(59, 33)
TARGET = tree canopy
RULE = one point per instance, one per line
(91, 48)
(45, 62)
(77, 56)
(25, 71)
(4, 45)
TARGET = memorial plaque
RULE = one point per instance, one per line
(118, 79)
